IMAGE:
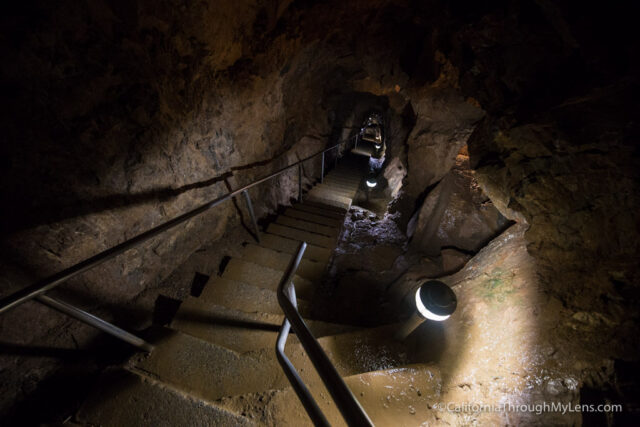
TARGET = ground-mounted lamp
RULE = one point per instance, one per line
(372, 180)
(434, 301)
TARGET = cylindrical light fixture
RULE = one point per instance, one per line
(434, 301)
(372, 179)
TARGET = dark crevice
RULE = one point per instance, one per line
(223, 264)
(198, 283)
(164, 310)
(467, 251)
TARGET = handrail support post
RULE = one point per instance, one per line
(310, 405)
(252, 214)
(95, 321)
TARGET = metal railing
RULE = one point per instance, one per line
(349, 407)
(38, 289)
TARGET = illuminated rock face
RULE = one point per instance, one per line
(501, 346)
(456, 214)
(444, 122)
(515, 349)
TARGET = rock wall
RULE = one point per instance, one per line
(557, 150)
(456, 214)
(445, 121)
(118, 117)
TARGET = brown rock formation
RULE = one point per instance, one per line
(456, 213)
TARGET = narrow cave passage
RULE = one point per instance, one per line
(163, 162)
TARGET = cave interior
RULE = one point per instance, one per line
(488, 147)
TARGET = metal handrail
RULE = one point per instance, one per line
(310, 405)
(38, 289)
(349, 407)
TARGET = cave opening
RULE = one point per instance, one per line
(190, 148)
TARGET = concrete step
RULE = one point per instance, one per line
(311, 217)
(302, 236)
(244, 297)
(238, 330)
(326, 211)
(345, 186)
(349, 172)
(347, 182)
(210, 371)
(206, 370)
(334, 194)
(350, 193)
(311, 270)
(264, 277)
(342, 192)
(363, 150)
(340, 204)
(308, 226)
(290, 246)
(351, 169)
(401, 396)
(123, 398)
(233, 329)
(330, 194)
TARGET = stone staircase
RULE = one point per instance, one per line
(216, 364)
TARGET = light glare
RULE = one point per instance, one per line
(426, 313)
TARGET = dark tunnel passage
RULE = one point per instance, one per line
(489, 147)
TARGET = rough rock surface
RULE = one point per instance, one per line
(445, 120)
(395, 173)
(510, 342)
(456, 213)
(453, 260)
